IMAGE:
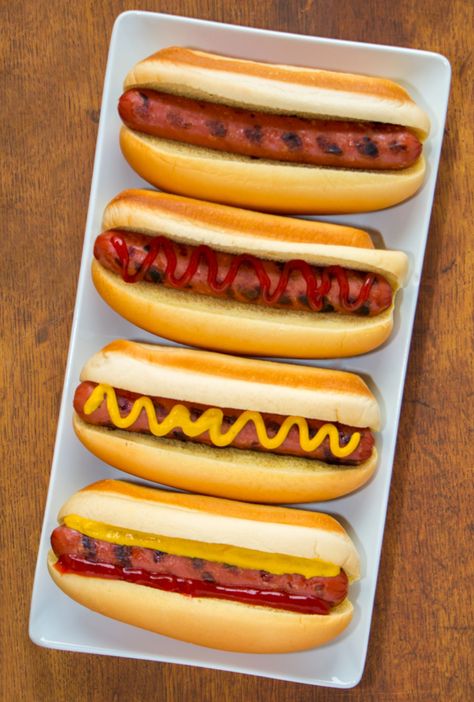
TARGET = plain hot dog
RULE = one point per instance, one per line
(223, 574)
(227, 426)
(271, 137)
(181, 268)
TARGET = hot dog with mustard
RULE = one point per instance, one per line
(227, 426)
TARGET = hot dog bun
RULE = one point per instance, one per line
(204, 321)
(265, 185)
(262, 184)
(210, 622)
(226, 381)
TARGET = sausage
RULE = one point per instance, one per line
(318, 142)
(67, 541)
(204, 271)
(247, 438)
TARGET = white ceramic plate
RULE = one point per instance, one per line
(58, 622)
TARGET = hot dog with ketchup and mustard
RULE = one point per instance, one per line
(218, 573)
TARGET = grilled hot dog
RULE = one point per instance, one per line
(213, 572)
(271, 137)
(317, 142)
(227, 426)
(245, 278)
(292, 287)
(247, 438)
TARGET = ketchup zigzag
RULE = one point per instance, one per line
(316, 290)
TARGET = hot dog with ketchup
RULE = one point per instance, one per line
(271, 137)
(218, 573)
(183, 268)
(227, 426)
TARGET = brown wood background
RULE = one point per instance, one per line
(53, 58)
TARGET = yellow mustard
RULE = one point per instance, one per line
(276, 563)
(211, 421)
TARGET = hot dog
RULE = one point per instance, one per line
(227, 426)
(218, 573)
(182, 268)
(342, 144)
(271, 137)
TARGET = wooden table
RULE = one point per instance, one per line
(54, 56)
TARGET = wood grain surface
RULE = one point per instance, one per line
(53, 57)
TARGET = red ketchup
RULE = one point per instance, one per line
(315, 290)
(194, 588)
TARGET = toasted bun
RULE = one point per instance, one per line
(232, 473)
(218, 380)
(260, 184)
(204, 321)
(205, 621)
(230, 626)
(227, 228)
(228, 381)
(265, 185)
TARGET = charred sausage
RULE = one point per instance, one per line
(67, 541)
(317, 142)
(247, 438)
(294, 285)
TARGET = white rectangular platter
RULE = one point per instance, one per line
(58, 622)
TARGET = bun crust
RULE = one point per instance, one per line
(228, 381)
(203, 321)
(264, 185)
(198, 221)
(230, 626)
